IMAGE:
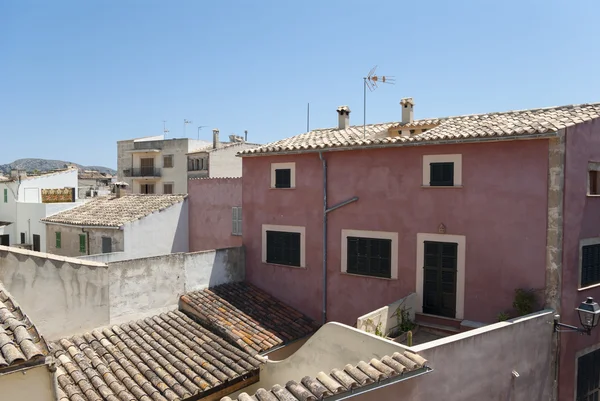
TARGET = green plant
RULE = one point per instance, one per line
(525, 301)
(378, 331)
(403, 322)
(502, 316)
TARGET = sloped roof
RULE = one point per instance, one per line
(247, 316)
(339, 381)
(20, 343)
(111, 211)
(160, 358)
(223, 145)
(509, 125)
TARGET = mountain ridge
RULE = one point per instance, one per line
(41, 165)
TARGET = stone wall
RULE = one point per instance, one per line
(70, 240)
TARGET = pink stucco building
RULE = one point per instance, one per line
(461, 211)
(215, 213)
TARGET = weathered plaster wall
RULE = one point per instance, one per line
(30, 215)
(69, 245)
(28, 384)
(210, 203)
(501, 210)
(387, 318)
(581, 221)
(224, 162)
(61, 295)
(30, 188)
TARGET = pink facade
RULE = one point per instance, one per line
(581, 222)
(210, 212)
(501, 210)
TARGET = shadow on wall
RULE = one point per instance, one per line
(182, 231)
(233, 261)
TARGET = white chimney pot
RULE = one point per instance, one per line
(407, 105)
(343, 117)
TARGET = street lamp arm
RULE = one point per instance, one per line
(570, 328)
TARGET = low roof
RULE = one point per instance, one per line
(349, 379)
(111, 211)
(247, 316)
(160, 358)
(223, 145)
(20, 343)
(502, 125)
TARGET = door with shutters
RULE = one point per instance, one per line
(106, 245)
(439, 278)
(588, 377)
(5, 240)
(36, 242)
(147, 166)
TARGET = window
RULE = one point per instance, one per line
(370, 253)
(588, 376)
(22, 238)
(590, 264)
(168, 161)
(283, 175)
(147, 188)
(36, 242)
(82, 238)
(168, 188)
(236, 218)
(58, 240)
(593, 178)
(442, 170)
(283, 245)
(106, 245)
(5, 195)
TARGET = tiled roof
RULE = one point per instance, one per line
(339, 381)
(223, 145)
(508, 125)
(113, 212)
(20, 343)
(160, 358)
(248, 316)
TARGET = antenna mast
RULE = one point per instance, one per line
(165, 130)
(371, 81)
(199, 128)
(185, 122)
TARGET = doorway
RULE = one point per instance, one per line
(439, 278)
(5, 240)
(36, 242)
(147, 167)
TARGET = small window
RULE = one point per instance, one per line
(283, 248)
(82, 238)
(441, 174)
(283, 178)
(168, 161)
(236, 218)
(5, 195)
(168, 188)
(106, 245)
(590, 265)
(594, 187)
(58, 240)
(588, 377)
(22, 238)
(369, 256)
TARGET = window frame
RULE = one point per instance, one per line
(283, 166)
(291, 229)
(82, 243)
(582, 244)
(386, 235)
(445, 158)
(58, 239)
(236, 220)
(168, 157)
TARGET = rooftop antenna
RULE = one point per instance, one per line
(199, 128)
(185, 122)
(370, 81)
(165, 130)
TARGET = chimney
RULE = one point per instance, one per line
(246, 136)
(120, 189)
(343, 117)
(407, 105)
(215, 138)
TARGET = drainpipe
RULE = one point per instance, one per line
(326, 211)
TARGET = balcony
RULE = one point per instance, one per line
(142, 172)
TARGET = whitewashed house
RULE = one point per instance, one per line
(24, 200)
(113, 228)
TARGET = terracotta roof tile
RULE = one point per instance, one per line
(160, 358)
(339, 381)
(20, 342)
(503, 124)
(247, 316)
(114, 212)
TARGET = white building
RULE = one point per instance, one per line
(219, 159)
(108, 229)
(22, 205)
(155, 165)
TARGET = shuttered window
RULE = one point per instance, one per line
(588, 377)
(593, 183)
(283, 178)
(168, 188)
(369, 257)
(58, 240)
(441, 174)
(590, 265)
(236, 220)
(82, 238)
(5, 195)
(168, 161)
(283, 248)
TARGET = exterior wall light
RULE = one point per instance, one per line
(589, 316)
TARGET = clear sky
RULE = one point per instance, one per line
(76, 76)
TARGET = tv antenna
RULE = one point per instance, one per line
(199, 128)
(165, 130)
(185, 122)
(371, 81)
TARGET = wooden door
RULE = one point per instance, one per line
(147, 167)
(36, 242)
(439, 278)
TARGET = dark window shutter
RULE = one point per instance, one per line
(369, 256)
(283, 178)
(441, 174)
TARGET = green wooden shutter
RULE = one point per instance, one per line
(82, 243)
(5, 195)
(58, 240)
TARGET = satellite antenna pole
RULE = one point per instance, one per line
(185, 122)
(370, 81)
(308, 118)
(165, 130)
(199, 128)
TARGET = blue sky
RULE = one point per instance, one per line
(77, 76)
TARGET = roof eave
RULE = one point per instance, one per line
(82, 225)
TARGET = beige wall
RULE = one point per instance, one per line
(33, 384)
(70, 240)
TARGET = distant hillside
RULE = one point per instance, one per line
(46, 165)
